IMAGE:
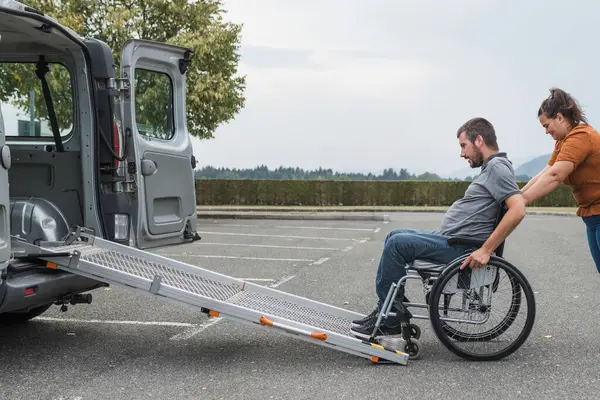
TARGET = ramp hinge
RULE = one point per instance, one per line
(155, 286)
(74, 261)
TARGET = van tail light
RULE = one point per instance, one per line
(121, 226)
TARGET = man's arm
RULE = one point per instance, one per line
(513, 217)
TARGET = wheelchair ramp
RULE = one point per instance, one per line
(215, 294)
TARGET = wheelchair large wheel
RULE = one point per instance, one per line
(493, 331)
(477, 313)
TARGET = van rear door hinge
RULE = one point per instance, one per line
(121, 84)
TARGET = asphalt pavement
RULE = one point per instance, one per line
(127, 345)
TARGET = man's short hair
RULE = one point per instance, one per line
(479, 127)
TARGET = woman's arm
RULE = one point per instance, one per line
(549, 181)
(574, 149)
(535, 178)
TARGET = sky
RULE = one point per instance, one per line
(362, 86)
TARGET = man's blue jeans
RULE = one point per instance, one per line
(593, 236)
(402, 246)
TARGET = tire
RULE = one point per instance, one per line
(444, 332)
(13, 318)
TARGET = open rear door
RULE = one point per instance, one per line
(154, 112)
(4, 201)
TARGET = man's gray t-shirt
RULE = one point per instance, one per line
(475, 215)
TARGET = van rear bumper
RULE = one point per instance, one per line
(47, 286)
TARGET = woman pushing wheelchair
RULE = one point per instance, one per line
(575, 162)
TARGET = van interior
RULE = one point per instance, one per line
(46, 108)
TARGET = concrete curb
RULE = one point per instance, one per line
(383, 215)
(553, 213)
(275, 209)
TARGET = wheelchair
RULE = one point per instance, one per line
(465, 307)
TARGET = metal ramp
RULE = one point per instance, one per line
(215, 294)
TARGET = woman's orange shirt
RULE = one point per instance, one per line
(582, 147)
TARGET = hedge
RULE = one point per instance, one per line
(270, 192)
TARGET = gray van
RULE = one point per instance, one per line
(86, 145)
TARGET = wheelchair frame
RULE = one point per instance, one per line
(430, 273)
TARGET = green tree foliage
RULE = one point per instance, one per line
(152, 111)
(17, 80)
(263, 172)
(214, 92)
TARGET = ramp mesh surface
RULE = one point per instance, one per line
(195, 283)
(293, 311)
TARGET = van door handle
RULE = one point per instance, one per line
(149, 167)
(5, 157)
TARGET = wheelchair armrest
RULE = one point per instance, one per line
(461, 241)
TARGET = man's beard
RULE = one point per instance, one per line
(477, 161)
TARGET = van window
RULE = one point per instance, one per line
(154, 104)
(23, 103)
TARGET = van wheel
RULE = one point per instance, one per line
(11, 318)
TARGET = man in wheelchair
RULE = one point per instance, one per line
(473, 217)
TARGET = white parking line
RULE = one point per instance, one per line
(235, 257)
(278, 236)
(257, 279)
(196, 329)
(282, 281)
(269, 246)
(327, 228)
(192, 329)
(115, 322)
(320, 261)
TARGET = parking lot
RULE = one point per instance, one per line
(129, 345)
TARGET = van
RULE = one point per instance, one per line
(85, 145)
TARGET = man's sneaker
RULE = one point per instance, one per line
(388, 326)
(368, 318)
(364, 331)
(373, 315)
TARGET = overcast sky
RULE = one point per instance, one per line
(358, 85)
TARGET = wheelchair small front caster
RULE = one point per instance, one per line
(415, 331)
(413, 349)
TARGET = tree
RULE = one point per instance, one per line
(214, 92)
(428, 176)
(17, 80)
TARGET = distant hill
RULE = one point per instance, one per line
(468, 172)
(524, 171)
(532, 167)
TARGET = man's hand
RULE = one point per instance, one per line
(477, 259)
